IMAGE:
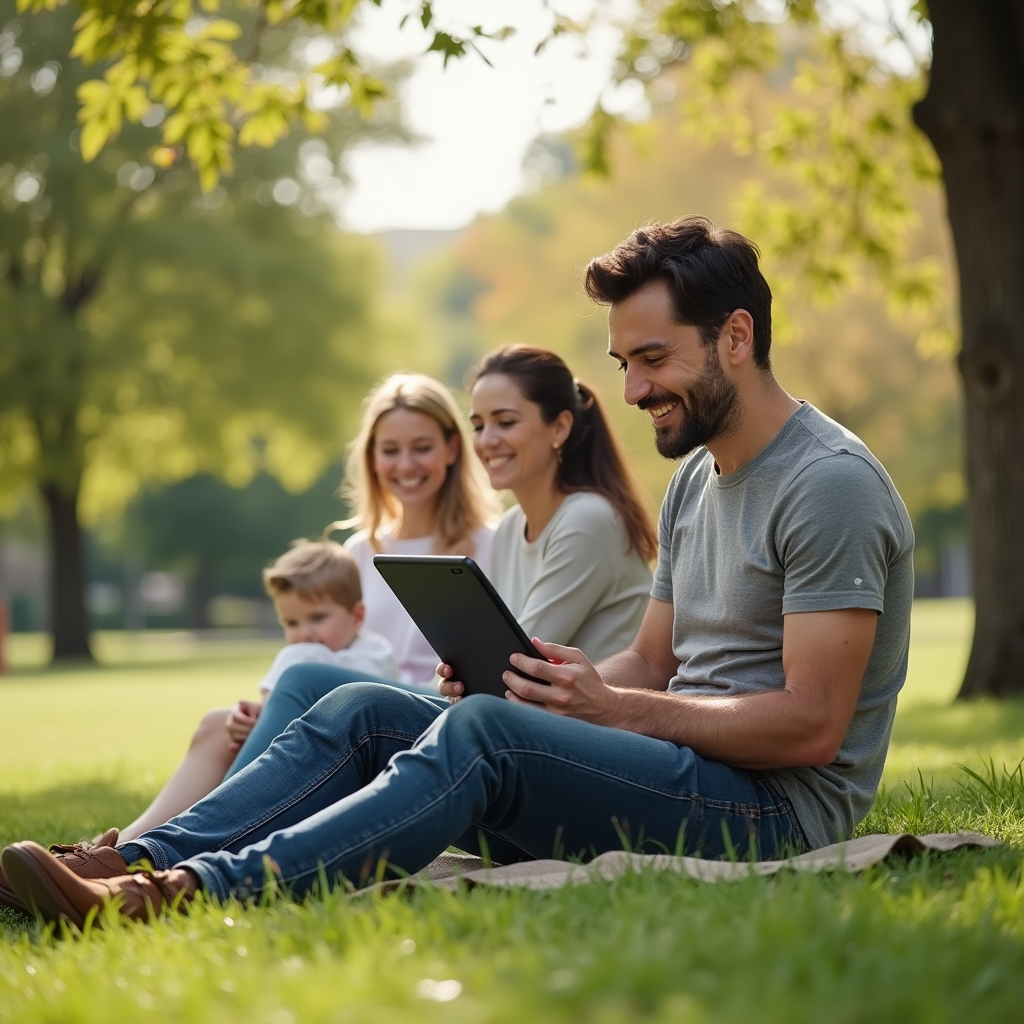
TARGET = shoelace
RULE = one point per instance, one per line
(168, 892)
(79, 848)
(71, 850)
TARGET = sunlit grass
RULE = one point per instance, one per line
(936, 939)
(117, 729)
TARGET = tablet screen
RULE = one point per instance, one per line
(459, 612)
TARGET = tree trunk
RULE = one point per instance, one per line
(200, 593)
(69, 619)
(974, 115)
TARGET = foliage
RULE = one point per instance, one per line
(835, 128)
(515, 277)
(205, 64)
(243, 530)
(936, 939)
(152, 333)
(841, 134)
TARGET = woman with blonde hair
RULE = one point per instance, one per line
(414, 489)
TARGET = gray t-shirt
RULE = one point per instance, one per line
(813, 523)
(577, 584)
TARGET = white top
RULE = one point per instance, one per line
(384, 612)
(369, 652)
(578, 583)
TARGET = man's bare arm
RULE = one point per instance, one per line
(824, 657)
(648, 663)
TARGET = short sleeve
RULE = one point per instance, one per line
(837, 531)
(661, 587)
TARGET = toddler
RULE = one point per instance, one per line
(317, 594)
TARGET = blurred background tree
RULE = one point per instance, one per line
(824, 95)
(153, 331)
(843, 135)
(242, 529)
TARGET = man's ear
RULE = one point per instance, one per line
(359, 612)
(736, 342)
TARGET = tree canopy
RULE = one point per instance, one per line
(514, 277)
(205, 63)
(844, 134)
(153, 331)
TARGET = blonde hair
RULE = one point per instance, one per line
(316, 569)
(465, 502)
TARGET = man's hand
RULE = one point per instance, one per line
(648, 663)
(575, 688)
(241, 718)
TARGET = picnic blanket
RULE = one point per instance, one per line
(451, 869)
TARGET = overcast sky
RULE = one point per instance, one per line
(478, 121)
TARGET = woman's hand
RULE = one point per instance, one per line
(448, 687)
(575, 687)
(241, 718)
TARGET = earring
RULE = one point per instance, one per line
(558, 452)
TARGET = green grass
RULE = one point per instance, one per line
(936, 939)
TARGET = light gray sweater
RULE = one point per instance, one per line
(577, 584)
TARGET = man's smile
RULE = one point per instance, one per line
(661, 411)
(659, 407)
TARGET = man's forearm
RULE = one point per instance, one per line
(630, 670)
(777, 729)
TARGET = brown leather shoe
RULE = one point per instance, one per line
(97, 859)
(54, 892)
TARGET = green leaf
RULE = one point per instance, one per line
(93, 138)
(220, 29)
(448, 46)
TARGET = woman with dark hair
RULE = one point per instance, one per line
(571, 558)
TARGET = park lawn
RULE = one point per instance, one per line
(936, 939)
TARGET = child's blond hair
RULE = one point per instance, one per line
(316, 570)
(465, 503)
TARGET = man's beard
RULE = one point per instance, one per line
(709, 409)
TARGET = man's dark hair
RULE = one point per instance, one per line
(710, 272)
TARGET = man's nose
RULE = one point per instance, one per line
(634, 386)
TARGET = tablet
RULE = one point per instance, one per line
(460, 613)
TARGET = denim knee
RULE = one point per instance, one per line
(355, 694)
(479, 723)
(366, 707)
(306, 684)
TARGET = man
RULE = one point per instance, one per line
(752, 712)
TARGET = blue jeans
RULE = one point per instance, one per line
(298, 689)
(373, 775)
